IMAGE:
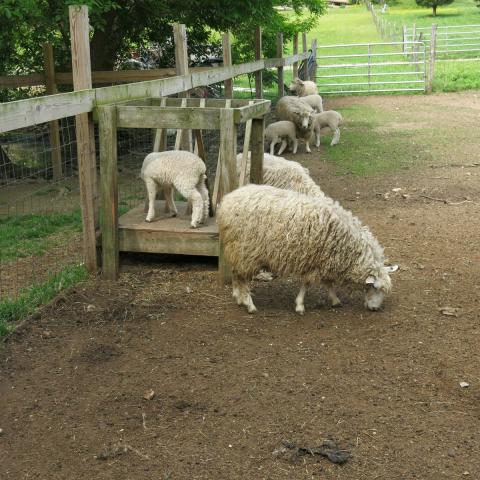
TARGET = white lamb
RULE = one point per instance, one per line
(300, 113)
(331, 119)
(302, 87)
(315, 101)
(292, 234)
(181, 170)
(282, 131)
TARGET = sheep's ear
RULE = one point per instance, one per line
(370, 280)
(391, 268)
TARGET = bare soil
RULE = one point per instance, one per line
(230, 389)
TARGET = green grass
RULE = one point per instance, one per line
(365, 149)
(407, 12)
(13, 310)
(35, 233)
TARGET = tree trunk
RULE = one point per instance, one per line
(434, 10)
(105, 44)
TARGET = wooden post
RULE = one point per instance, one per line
(227, 62)
(160, 139)
(181, 68)
(258, 56)
(54, 131)
(305, 63)
(281, 83)
(433, 51)
(295, 51)
(109, 191)
(256, 145)
(87, 171)
(228, 180)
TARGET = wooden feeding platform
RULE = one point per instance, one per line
(130, 232)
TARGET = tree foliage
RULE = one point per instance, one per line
(118, 26)
(433, 4)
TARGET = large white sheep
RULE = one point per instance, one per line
(315, 101)
(282, 131)
(292, 234)
(302, 88)
(181, 170)
(331, 119)
(300, 113)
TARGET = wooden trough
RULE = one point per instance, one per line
(131, 232)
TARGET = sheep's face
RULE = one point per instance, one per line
(306, 119)
(377, 287)
(296, 85)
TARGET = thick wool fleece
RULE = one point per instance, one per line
(293, 234)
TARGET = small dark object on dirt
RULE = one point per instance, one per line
(112, 452)
(328, 449)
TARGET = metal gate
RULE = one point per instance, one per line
(371, 68)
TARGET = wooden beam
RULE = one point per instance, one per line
(256, 146)
(168, 117)
(258, 56)
(109, 191)
(281, 90)
(242, 114)
(227, 62)
(242, 174)
(54, 131)
(17, 81)
(160, 138)
(433, 53)
(80, 47)
(313, 76)
(295, 52)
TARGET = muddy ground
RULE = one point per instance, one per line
(231, 389)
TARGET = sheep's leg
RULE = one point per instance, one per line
(202, 188)
(299, 305)
(194, 196)
(336, 137)
(332, 295)
(152, 195)
(307, 146)
(170, 206)
(283, 146)
(295, 145)
(241, 292)
(272, 146)
(317, 137)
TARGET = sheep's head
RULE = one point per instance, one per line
(377, 286)
(296, 85)
(304, 118)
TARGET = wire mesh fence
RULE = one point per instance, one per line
(40, 219)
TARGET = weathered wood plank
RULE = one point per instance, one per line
(242, 174)
(87, 171)
(295, 52)
(280, 80)
(54, 131)
(227, 62)
(304, 50)
(248, 112)
(16, 81)
(256, 146)
(168, 117)
(160, 139)
(109, 191)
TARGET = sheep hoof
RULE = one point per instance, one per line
(337, 304)
(194, 225)
(300, 309)
(149, 219)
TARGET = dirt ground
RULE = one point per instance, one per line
(235, 394)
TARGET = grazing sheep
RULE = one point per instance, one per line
(331, 119)
(282, 131)
(300, 113)
(181, 170)
(315, 101)
(287, 174)
(292, 234)
(302, 87)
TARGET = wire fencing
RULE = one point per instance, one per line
(371, 68)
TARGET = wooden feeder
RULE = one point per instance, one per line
(130, 232)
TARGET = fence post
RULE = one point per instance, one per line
(281, 89)
(433, 49)
(304, 49)
(181, 68)
(258, 56)
(227, 62)
(51, 88)
(295, 52)
(85, 133)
